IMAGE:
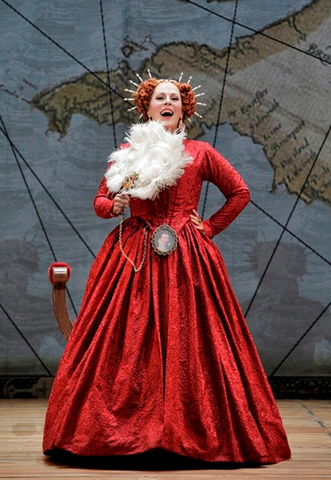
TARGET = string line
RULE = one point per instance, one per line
(291, 233)
(25, 340)
(299, 341)
(221, 98)
(110, 90)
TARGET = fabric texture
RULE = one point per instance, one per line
(162, 358)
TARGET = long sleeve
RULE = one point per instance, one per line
(103, 205)
(221, 173)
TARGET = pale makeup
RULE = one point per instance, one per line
(166, 105)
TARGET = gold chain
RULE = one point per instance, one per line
(136, 269)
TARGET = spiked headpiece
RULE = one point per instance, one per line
(191, 96)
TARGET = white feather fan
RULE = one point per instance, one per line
(156, 155)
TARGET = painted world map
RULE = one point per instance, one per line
(264, 69)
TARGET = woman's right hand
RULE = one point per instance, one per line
(121, 201)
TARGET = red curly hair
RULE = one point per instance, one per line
(142, 97)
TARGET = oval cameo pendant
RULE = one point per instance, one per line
(164, 239)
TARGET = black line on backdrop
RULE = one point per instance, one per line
(25, 339)
(110, 90)
(221, 98)
(291, 233)
(299, 341)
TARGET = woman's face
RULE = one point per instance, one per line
(166, 105)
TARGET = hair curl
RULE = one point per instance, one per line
(142, 97)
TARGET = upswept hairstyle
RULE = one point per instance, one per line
(142, 97)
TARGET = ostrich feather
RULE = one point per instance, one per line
(156, 155)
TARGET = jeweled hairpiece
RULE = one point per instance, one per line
(131, 99)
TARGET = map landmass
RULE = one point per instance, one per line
(270, 76)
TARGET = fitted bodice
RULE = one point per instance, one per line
(174, 205)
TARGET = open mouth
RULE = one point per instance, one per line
(167, 113)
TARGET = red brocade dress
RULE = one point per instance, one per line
(162, 358)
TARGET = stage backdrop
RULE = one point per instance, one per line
(265, 68)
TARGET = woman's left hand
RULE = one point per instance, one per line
(197, 221)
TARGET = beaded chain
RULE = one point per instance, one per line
(136, 269)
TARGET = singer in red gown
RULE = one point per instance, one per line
(161, 358)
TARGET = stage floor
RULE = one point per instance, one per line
(307, 422)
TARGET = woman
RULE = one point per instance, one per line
(160, 356)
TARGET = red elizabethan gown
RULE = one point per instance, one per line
(162, 358)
